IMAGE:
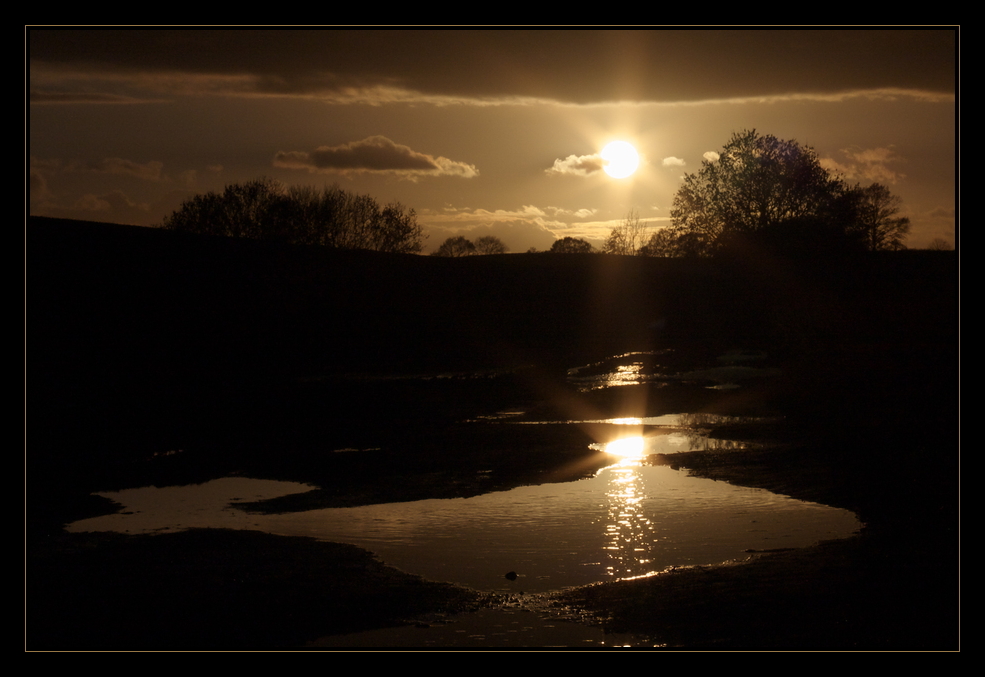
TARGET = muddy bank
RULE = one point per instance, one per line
(216, 589)
(860, 594)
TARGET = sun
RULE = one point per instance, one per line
(621, 159)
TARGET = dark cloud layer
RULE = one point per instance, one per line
(576, 66)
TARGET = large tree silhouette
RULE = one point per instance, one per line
(758, 186)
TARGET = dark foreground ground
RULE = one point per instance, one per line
(154, 359)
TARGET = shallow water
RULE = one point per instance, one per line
(628, 520)
(670, 433)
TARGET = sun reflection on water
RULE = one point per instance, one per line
(628, 449)
(629, 534)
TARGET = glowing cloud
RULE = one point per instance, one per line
(577, 165)
(376, 154)
(868, 165)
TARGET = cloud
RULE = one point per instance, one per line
(150, 171)
(38, 186)
(866, 165)
(115, 201)
(673, 162)
(376, 154)
(528, 226)
(583, 213)
(711, 156)
(469, 218)
(187, 177)
(520, 229)
(111, 207)
(518, 236)
(577, 165)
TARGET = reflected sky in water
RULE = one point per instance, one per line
(629, 520)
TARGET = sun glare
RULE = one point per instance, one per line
(621, 159)
(629, 448)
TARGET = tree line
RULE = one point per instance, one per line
(264, 209)
(460, 245)
(759, 192)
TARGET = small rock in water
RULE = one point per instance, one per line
(511, 576)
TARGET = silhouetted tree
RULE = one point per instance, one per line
(455, 246)
(661, 243)
(628, 238)
(571, 245)
(939, 244)
(762, 192)
(756, 182)
(490, 244)
(875, 215)
(263, 209)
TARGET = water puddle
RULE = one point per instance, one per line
(629, 520)
(620, 370)
(633, 518)
(669, 433)
(657, 368)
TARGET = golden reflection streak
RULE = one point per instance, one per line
(628, 533)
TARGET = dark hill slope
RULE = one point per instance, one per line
(136, 304)
(133, 307)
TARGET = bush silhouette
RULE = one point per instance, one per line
(455, 246)
(490, 244)
(572, 245)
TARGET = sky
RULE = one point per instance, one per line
(481, 132)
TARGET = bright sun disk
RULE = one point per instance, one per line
(621, 159)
